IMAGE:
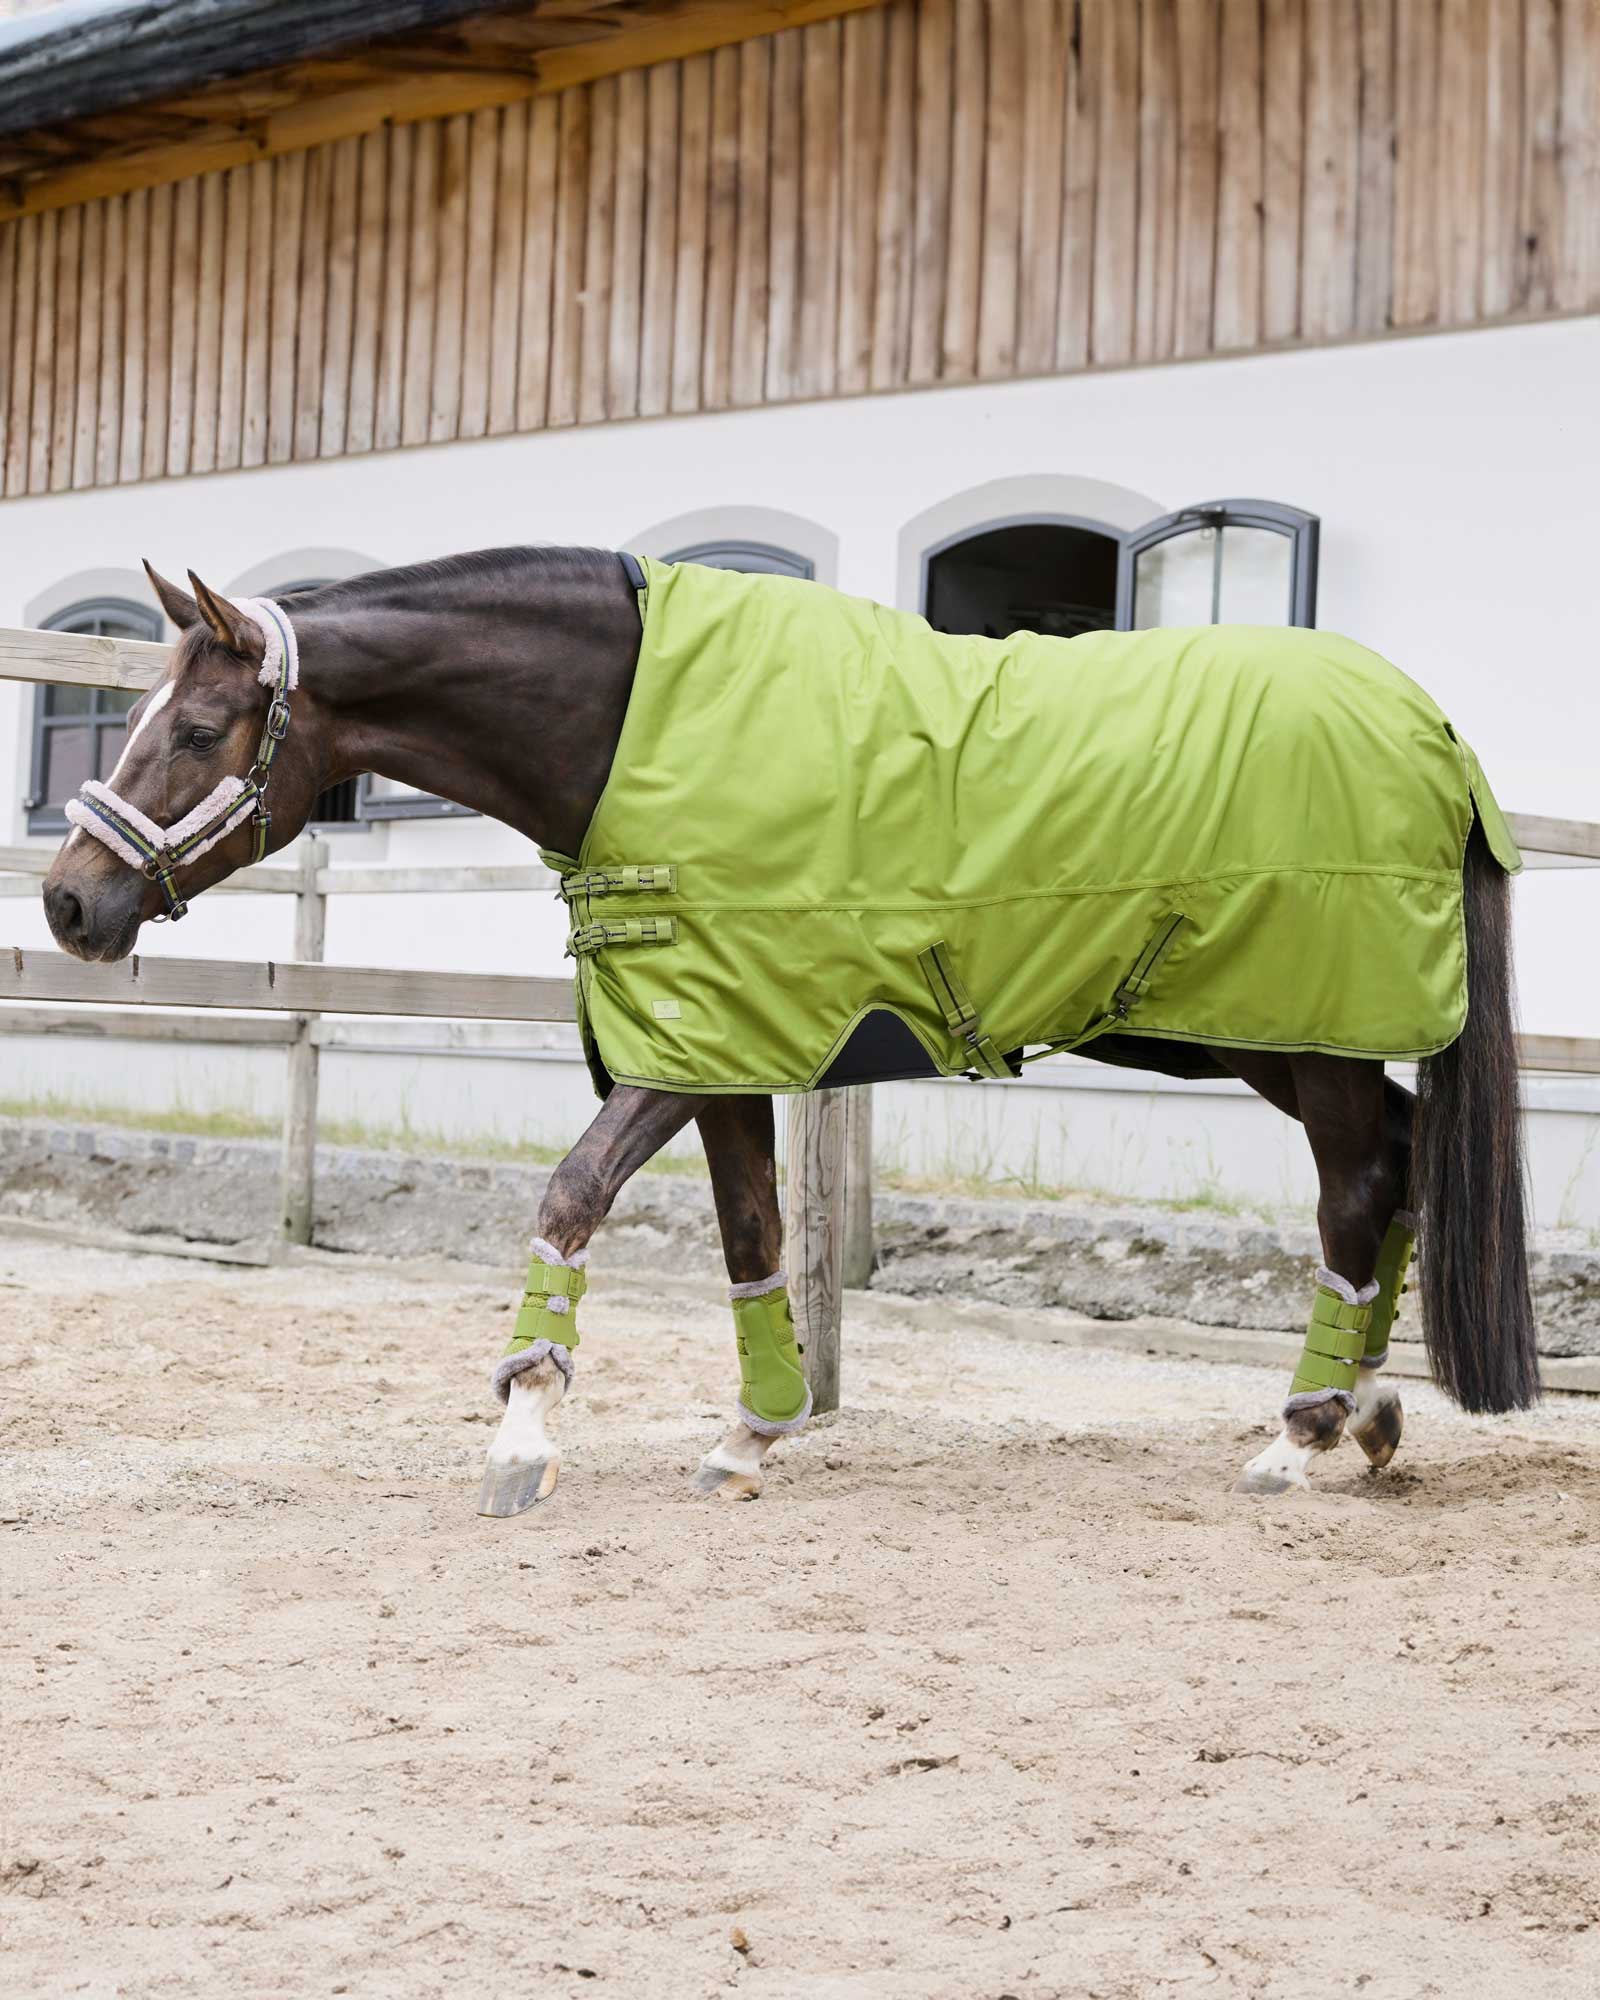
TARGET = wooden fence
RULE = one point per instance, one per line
(829, 1138)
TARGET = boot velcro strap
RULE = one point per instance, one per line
(1324, 1371)
(555, 1281)
(1332, 1313)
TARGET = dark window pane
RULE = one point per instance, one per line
(117, 701)
(112, 742)
(68, 700)
(68, 760)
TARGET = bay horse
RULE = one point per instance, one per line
(501, 680)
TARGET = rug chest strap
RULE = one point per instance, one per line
(625, 879)
(961, 1017)
(590, 938)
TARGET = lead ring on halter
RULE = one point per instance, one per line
(159, 852)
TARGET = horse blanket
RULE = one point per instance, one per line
(828, 827)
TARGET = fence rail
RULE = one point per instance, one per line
(828, 1224)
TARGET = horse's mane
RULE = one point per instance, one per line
(531, 568)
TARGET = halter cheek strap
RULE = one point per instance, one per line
(160, 851)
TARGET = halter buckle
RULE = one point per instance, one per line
(278, 718)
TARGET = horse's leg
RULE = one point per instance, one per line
(532, 1377)
(738, 1137)
(1358, 1126)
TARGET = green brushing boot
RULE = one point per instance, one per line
(774, 1399)
(1379, 1419)
(547, 1320)
(1336, 1343)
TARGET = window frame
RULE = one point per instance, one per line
(1303, 530)
(776, 560)
(148, 624)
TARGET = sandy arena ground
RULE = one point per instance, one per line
(999, 1690)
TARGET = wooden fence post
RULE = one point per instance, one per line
(300, 1102)
(815, 1234)
(858, 1187)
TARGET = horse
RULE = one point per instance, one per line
(502, 680)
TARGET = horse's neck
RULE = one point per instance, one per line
(509, 700)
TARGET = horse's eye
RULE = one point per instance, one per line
(202, 739)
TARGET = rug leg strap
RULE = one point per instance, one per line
(774, 1397)
(1394, 1261)
(547, 1320)
(1336, 1341)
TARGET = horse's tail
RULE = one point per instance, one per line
(1468, 1178)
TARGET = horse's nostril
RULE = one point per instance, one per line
(65, 914)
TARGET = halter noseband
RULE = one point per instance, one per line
(159, 851)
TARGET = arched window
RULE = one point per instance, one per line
(758, 558)
(78, 732)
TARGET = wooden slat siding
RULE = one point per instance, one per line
(505, 303)
(135, 330)
(1375, 194)
(1156, 294)
(64, 404)
(1578, 268)
(242, 297)
(930, 234)
(288, 215)
(1236, 312)
(388, 417)
(185, 303)
(449, 299)
(891, 305)
(21, 355)
(311, 327)
(783, 211)
(1042, 27)
(749, 364)
(1502, 156)
(1539, 192)
(595, 351)
(660, 239)
(1416, 191)
(1332, 169)
(339, 313)
(566, 304)
(8, 297)
(207, 327)
(627, 246)
(91, 285)
(861, 109)
(534, 320)
(1462, 25)
(1199, 148)
(722, 232)
(963, 276)
(817, 322)
(366, 325)
(422, 265)
(1283, 155)
(694, 169)
(1116, 213)
(44, 357)
(477, 316)
(1080, 145)
(1000, 273)
(259, 315)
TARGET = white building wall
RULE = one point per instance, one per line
(1454, 475)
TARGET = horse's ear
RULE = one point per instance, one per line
(241, 635)
(179, 606)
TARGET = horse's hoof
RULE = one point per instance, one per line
(727, 1484)
(511, 1486)
(1269, 1482)
(1379, 1436)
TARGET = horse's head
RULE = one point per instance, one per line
(189, 800)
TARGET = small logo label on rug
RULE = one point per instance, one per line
(666, 1010)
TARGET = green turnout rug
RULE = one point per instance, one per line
(836, 844)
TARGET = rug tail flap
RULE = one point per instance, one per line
(1493, 821)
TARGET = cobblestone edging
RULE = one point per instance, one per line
(1107, 1261)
